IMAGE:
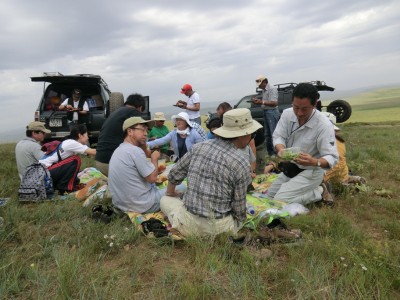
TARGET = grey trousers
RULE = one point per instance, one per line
(302, 188)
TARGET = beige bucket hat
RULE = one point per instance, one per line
(159, 116)
(237, 122)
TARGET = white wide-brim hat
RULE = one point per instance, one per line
(237, 122)
(182, 115)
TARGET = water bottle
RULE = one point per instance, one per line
(49, 187)
(250, 209)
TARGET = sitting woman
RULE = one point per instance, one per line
(64, 163)
(182, 138)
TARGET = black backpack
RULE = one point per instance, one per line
(36, 184)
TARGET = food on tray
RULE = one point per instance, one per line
(161, 178)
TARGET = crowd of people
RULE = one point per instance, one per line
(217, 166)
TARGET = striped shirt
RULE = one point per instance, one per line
(217, 174)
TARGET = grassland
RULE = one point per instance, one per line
(351, 251)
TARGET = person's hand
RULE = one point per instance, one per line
(155, 155)
(181, 104)
(256, 100)
(305, 159)
(268, 168)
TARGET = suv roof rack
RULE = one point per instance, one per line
(52, 74)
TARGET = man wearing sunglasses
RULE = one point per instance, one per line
(269, 103)
(28, 150)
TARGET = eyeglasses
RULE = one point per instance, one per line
(144, 130)
(253, 135)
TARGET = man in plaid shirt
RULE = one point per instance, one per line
(218, 173)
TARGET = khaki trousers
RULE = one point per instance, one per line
(189, 224)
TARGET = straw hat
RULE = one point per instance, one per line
(159, 116)
(237, 122)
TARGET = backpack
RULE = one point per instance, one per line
(50, 147)
(36, 184)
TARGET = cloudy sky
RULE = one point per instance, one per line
(219, 46)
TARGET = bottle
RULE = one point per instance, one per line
(250, 209)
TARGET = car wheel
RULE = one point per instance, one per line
(341, 109)
(116, 101)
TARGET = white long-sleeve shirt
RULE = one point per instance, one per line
(316, 137)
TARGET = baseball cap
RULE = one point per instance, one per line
(37, 126)
(136, 120)
(260, 79)
(77, 92)
(185, 88)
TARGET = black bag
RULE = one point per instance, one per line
(156, 227)
(289, 169)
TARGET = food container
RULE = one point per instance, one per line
(290, 153)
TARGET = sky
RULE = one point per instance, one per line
(219, 47)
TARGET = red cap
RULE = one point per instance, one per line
(185, 88)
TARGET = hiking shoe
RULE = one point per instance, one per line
(102, 214)
(277, 231)
(327, 197)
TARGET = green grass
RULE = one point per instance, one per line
(380, 105)
(54, 250)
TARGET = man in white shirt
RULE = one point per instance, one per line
(77, 108)
(305, 127)
(192, 105)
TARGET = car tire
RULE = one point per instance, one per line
(116, 101)
(341, 109)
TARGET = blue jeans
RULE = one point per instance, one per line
(271, 118)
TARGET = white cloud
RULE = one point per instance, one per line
(217, 46)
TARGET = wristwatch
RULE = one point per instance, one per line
(318, 163)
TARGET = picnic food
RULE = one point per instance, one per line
(290, 153)
(161, 168)
(161, 178)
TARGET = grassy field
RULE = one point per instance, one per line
(351, 251)
(376, 106)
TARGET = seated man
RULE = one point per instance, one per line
(77, 108)
(159, 130)
(217, 175)
(131, 175)
(305, 127)
(28, 150)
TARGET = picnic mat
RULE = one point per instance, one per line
(259, 207)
